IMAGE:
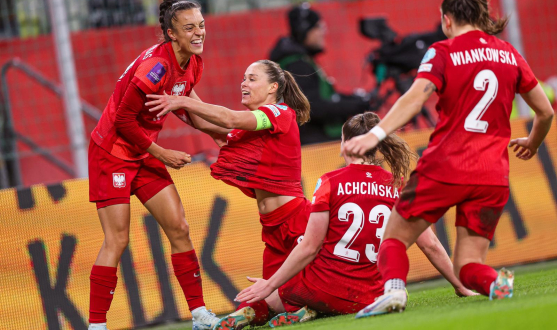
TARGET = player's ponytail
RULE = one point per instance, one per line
(167, 13)
(394, 150)
(288, 90)
(476, 13)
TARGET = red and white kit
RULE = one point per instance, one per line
(344, 278)
(269, 160)
(466, 162)
(119, 165)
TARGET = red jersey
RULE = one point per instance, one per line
(359, 199)
(477, 76)
(156, 70)
(269, 160)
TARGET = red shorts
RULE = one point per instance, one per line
(113, 180)
(282, 230)
(478, 208)
(298, 293)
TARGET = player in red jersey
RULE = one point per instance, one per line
(125, 160)
(466, 162)
(262, 157)
(333, 270)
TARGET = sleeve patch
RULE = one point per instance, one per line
(317, 185)
(281, 107)
(429, 55)
(156, 73)
(274, 109)
(426, 67)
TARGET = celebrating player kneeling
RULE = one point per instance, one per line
(466, 163)
(350, 209)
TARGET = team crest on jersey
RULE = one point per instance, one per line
(429, 55)
(119, 180)
(179, 88)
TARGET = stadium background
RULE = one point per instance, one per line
(50, 234)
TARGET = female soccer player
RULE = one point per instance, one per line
(466, 163)
(333, 270)
(124, 159)
(262, 157)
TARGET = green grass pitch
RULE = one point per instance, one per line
(433, 305)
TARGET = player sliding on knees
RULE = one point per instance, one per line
(333, 270)
(262, 157)
(466, 163)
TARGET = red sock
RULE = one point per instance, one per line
(186, 269)
(392, 260)
(261, 309)
(103, 283)
(478, 277)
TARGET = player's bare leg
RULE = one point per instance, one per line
(393, 263)
(115, 222)
(469, 263)
(167, 209)
(274, 302)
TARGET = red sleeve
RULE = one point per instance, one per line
(126, 117)
(526, 78)
(433, 65)
(280, 117)
(184, 116)
(321, 195)
(150, 75)
(199, 71)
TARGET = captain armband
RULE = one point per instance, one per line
(263, 121)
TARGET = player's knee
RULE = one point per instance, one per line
(179, 231)
(117, 242)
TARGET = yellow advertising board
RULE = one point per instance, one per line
(51, 235)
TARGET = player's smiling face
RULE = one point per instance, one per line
(256, 88)
(189, 31)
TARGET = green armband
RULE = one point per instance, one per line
(263, 121)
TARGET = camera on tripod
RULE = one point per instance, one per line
(396, 58)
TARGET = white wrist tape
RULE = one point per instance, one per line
(379, 132)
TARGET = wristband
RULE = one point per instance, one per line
(379, 133)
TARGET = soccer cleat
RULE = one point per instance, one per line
(392, 301)
(203, 319)
(97, 326)
(503, 286)
(237, 320)
(303, 315)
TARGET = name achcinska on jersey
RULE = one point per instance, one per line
(366, 188)
(483, 55)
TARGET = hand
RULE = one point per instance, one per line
(526, 151)
(173, 158)
(258, 291)
(359, 145)
(165, 102)
(463, 292)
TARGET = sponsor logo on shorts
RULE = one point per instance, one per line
(179, 88)
(196, 274)
(156, 73)
(119, 180)
(111, 291)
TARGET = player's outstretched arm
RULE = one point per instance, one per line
(405, 108)
(434, 251)
(538, 101)
(299, 258)
(214, 114)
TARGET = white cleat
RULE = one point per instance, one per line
(392, 301)
(97, 326)
(203, 319)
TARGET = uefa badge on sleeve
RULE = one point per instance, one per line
(119, 180)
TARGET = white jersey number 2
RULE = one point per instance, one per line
(342, 249)
(473, 122)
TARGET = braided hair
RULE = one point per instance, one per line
(167, 13)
